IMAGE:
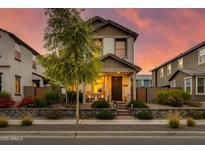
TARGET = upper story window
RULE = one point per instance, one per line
(161, 72)
(100, 44)
(180, 63)
(120, 48)
(33, 61)
(17, 49)
(201, 56)
(169, 69)
(173, 83)
(188, 85)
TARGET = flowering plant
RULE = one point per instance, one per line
(5, 102)
(25, 102)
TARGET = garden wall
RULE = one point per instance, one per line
(164, 113)
(44, 112)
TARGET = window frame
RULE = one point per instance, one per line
(121, 39)
(19, 77)
(185, 86)
(34, 62)
(178, 65)
(197, 86)
(169, 72)
(199, 56)
(17, 52)
(173, 81)
(161, 74)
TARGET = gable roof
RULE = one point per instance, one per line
(107, 22)
(125, 62)
(181, 55)
(188, 71)
(18, 40)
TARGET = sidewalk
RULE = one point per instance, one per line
(104, 122)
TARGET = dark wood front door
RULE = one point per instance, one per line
(117, 88)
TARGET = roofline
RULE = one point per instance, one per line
(18, 40)
(180, 55)
(121, 60)
(105, 22)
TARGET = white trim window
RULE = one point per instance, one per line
(161, 72)
(169, 69)
(34, 61)
(180, 63)
(17, 49)
(173, 84)
(201, 56)
(188, 85)
(200, 85)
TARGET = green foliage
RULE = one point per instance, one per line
(191, 122)
(197, 114)
(27, 120)
(174, 97)
(39, 102)
(105, 115)
(174, 120)
(3, 121)
(72, 96)
(145, 114)
(137, 104)
(100, 104)
(5, 94)
(52, 97)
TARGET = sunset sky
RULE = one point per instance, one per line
(163, 33)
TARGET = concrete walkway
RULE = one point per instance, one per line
(104, 122)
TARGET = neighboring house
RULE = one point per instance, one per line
(187, 71)
(18, 67)
(144, 80)
(117, 82)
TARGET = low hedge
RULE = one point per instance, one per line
(105, 115)
(174, 97)
(100, 104)
(137, 104)
(145, 114)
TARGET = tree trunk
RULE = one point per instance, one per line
(77, 105)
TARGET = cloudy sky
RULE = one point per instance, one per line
(163, 33)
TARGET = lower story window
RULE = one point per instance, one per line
(0, 82)
(188, 85)
(17, 85)
(200, 88)
(98, 86)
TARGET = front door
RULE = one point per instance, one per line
(117, 88)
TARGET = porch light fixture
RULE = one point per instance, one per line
(118, 72)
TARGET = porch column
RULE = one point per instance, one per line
(105, 87)
(84, 91)
(134, 85)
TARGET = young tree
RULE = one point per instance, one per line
(75, 57)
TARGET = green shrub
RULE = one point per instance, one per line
(145, 114)
(191, 122)
(27, 120)
(52, 97)
(5, 94)
(71, 95)
(174, 120)
(100, 104)
(197, 114)
(137, 104)
(3, 121)
(173, 97)
(105, 115)
(39, 102)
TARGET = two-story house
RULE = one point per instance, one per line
(18, 66)
(187, 71)
(117, 82)
(144, 80)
